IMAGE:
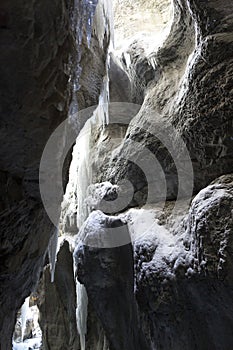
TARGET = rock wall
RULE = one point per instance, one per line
(184, 296)
(182, 267)
(192, 67)
(37, 68)
(36, 45)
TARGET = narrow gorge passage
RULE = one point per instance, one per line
(125, 106)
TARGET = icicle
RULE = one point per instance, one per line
(103, 108)
(52, 252)
(25, 315)
(104, 21)
(152, 61)
(81, 312)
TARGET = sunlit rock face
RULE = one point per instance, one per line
(192, 67)
(140, 29)
(135, 20)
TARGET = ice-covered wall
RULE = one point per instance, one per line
(99, 20)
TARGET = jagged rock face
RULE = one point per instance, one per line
(209, 228)
(204, 115)
(191, 309)
(57, 304)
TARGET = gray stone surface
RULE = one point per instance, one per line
(194, 96)
(57, 304)
(191, 309)
(108, 275)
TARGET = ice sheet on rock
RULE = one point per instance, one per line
(152, 61)
(103, 107)
(84, 173)
(80, 175)
(82, 21)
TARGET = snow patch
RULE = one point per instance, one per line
(97, 192)
(168, 250)
(28, 314)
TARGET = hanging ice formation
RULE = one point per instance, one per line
(52, 253)
(81, 313)
(101, 16)
(25, 315)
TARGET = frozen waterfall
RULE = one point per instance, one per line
(97, 17)
(25, 315)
